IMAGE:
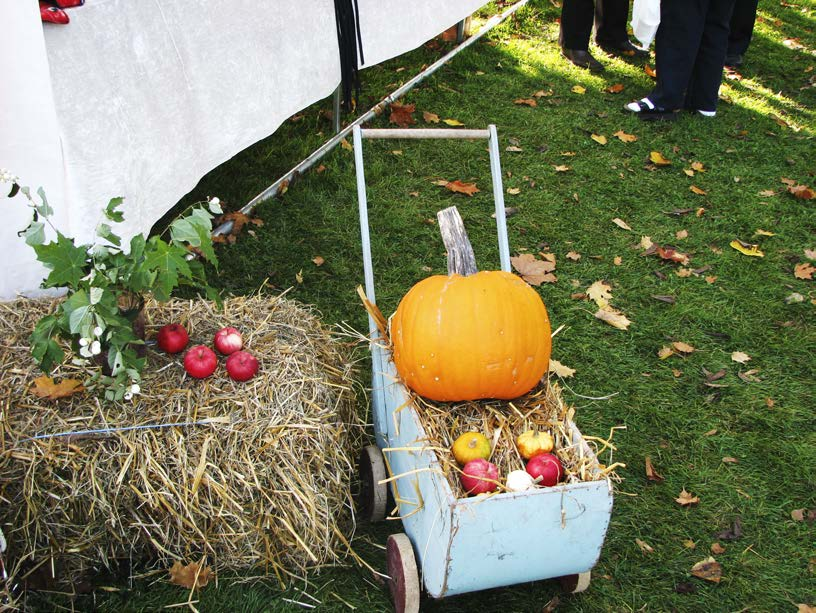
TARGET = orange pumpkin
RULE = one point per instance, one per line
(486, 335)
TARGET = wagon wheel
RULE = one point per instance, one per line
(575, 584)
(403, 574)
(373, 495)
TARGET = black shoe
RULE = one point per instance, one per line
(649, 112)
(582, 59)
(625, 48)
(733, 60)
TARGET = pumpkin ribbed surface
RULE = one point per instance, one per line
(459, 338)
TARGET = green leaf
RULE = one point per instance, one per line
(103, 230)
(111, 212)
(168, 261)
(44, 348)
(35, 233)
(187, 229)
(78, 312)
(206, 246)
(43, 209)
(65, 260)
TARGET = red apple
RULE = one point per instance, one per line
(548, 467)
(242, 366)
(479, 476)
(228, 340)
(200, 361)
(172, 338)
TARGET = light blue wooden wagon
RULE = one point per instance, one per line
(459, 545)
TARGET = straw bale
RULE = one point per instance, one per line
(257, 475)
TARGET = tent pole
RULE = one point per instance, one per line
(378, 109)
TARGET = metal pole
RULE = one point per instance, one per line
(498, 196)
(337, 111)
(317, 154)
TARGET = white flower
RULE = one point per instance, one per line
(96, 348)
(85, 352)
(7, 177)
(135, 389)
(128, 396)
(215, 201)
(97, 332)
(84, 342)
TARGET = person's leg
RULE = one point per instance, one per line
(704, 83)
(676, 44)
(576, 24)
(742, 29)
(610, 28)
(610, 21)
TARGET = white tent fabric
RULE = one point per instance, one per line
(142, 99)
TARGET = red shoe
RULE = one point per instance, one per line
(52, 14)
(67, 4)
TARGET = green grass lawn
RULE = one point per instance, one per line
(761, 412)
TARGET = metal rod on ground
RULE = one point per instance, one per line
(337, 109)
(317, 154)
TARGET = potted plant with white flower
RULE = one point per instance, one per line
(106, 285)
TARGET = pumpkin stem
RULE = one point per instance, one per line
(461, 259)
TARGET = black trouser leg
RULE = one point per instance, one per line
(576, 24)
(676, 44)
(742, 26)
(610, 21)
(704, 85)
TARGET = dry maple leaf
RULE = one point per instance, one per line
(191, 576)
(402, 114)
(767, 193)
(708, 569)
(617, 260)
(804, 270)
(683, 347)
(514, 149)
(620, 223)
(749, 249)
(624, 137)
(656, 158)
(573, 255)
(614, 89)
(685, 499)
(698, 166)
(644, 546)
(513, 191)
(46, 387)
(716, 548)
(318, 260)
(614, 318)
(651, 473)
(600, 292)
(532, 270)
(346, 145)
(646, 242)
(697, 190)
(801, 607)
(688, 172)
(561, 168)
(810, 254)
(730, 460)
(681, 234)
(761, 232)
(558, 369)
(802, 191)
(671, 254)
(739, 356)
(577, 89)
(599, 138)
(665, 352)
(526, 101)
(430, 117)
(452, 122)
(541, 93)
(462, 188)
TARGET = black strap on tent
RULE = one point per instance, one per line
(347, 16)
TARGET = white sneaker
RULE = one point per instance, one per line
(707, 113)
